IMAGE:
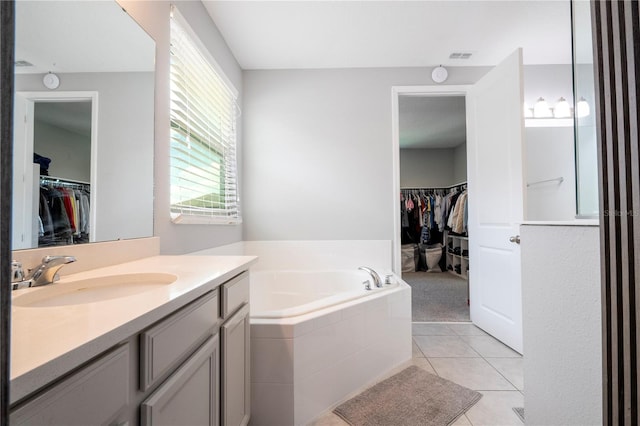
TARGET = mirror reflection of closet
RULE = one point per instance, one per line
(62, 150)
(54, 153)
(100, 54)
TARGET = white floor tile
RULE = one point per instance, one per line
(424, 364)
(466, 329)
(510, 368)
(416, 352)
(461, 421)
(474, 373)
(431, 329)
(329, 419)
(487, 346)
(496, 408)
(444, 346)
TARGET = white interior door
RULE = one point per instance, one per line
(24, 209)
(495, 129)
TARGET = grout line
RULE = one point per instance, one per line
(503, 376)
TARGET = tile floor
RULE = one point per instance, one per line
(466, 355)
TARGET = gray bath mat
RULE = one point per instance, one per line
(412, 397)
(520, 412)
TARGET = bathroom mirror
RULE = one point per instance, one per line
(84, 103)
(585, 125)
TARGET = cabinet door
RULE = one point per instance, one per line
(190, 395)
(95, 395)
(236, 385)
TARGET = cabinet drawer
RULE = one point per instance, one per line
(235, 293)
(166, 344)
(94, 395)
(190, 395)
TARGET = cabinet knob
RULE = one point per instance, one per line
(515, 239)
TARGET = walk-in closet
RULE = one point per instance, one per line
(433, 205)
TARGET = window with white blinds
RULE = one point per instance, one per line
(203, 135)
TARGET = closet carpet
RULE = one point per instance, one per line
(437, 296)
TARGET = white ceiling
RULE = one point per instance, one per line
(347, 34)
(80, 36)
(431, 122)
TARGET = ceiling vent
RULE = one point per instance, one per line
(23, 64)
(460, 55)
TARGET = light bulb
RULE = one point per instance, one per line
(541, 109)
(582, 108)
(562, 109)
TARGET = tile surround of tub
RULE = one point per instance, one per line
(302, 366)
(332, 357)
(92, 256)
(311, 255)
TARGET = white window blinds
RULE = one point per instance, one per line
(203, 136)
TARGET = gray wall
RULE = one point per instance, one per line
(423, 168)
(550, 154)
(70, 152)
(317, 151)
(460, 164)
(154, 18)
(124, 188)
(549, 82)
(562, 325)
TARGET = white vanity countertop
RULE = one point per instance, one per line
(47, 342)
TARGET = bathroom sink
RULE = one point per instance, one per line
(93, 290)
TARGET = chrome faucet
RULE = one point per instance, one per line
(43, 274)
(374, 275)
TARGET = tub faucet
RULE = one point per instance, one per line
(376, 278)
(47, 271)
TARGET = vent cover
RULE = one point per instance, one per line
(460, 55)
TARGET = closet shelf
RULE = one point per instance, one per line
(458, 256)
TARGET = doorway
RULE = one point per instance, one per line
(54, 148)
(433, 235)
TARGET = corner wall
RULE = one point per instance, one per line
(562, 325)
(318, 151)
(153, 16)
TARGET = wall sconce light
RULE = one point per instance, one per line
(562, 109)
(582, 108)
(541, 109)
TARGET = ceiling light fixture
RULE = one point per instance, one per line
(439, 74)
(51, 81)
(541, 109)
(582, 107)
(562, 109)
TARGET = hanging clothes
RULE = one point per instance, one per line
(425, 213)
(63, 214)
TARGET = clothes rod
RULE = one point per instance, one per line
(55, 179)
(558, 179)
(414, 188)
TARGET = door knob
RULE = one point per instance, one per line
(515, 239)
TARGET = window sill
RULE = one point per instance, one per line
(180, 219)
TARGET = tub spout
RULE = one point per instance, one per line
(374, 275)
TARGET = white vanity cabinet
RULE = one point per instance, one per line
(190, 396)
(188, 368)
(236, 355)
(174, 348)
(98, 393)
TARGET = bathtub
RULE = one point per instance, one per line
(318, 337)
(285, 294)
